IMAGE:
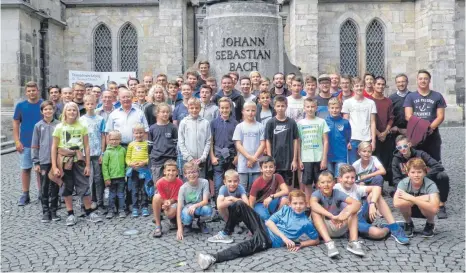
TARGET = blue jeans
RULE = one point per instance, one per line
(334, 167)
(136, 182)
(264, 212)
(374, 181)
(187, 219)
(25, 159)
(246, 179)
(117, 190)
(353, 153)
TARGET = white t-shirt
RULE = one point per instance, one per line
(373, 165)
(356, 192)
(360, 117)
(295, 108)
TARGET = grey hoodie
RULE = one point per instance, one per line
(209, 111)
(194, 138)
(41, 144)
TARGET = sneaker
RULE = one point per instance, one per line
(157, 232)
(409, 229)
(71, 220)
(145, 212)
(122, 214)
(398, 234)
(94, 205)
(135, 213)
(203, 227)
(24, 199)
(332, 250)
(188, 228)
(109, 214)
(94, 217)
(172, 224)
(205, 260)
(46, 218)
(442, 213)
(55, 217)
(355, 247)
(428, 230)
(221, 237)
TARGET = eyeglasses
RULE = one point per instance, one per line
(191, 172)
(402, 147)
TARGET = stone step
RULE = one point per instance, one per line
(7, 147)
(7, 150)
(6, 144)
(3, 138)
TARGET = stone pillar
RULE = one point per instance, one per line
(172, 16)
(435, 49)
(303, 20)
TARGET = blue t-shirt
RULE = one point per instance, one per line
(180, 112)
(332, 204)
(425, 107)
(292, 225)
(95, 127)
(237, 193)
(28, 115)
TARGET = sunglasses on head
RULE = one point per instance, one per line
(401, 147)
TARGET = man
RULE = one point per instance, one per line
(27, 114)
(278, 86)
(191, 79)
(123, 118)
(66, 96)
(162, 80)
(203, 68)
(132, 83)
(334, 83)
(113, 87)
(107, 105)
(398, 99)
(79, 89)
(429, 105)
(148, 81)
(54, 94)
(88, 87)
(97, 92)
(234, 95)
(324, 96)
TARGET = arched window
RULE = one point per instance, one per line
(349, 48)
(128, 48)
(102, 49)
(375, 49)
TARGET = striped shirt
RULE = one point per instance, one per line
(137, 152)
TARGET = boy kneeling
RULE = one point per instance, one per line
(331, 218)
(417, 196)
(284, 226)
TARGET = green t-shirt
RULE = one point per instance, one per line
(428, 187)
(70, 135)
(311, 132)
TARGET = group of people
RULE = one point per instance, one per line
(286, 156)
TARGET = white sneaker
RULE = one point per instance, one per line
(332, 250)
(71, 220)
(94, 217)
(221, 237)
(355, 247)
(93, 205)
(205, 260)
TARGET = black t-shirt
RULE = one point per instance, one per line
(281, 135)
(149, 112)
(164, 138)
(399, 110)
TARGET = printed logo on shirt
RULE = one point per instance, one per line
(279, 129)
(138, 148)
(168, 135)
(340, 127)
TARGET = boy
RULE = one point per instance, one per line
(229, 193)
(436, 172)
(295, 102)
(229, 91)
(141, 94)
(245, 84)
(368, 85)
(113, 170)
(264, 110)
(137, 159)
(313, 145)
(194, 137)
(40, 146)
(269, 191)
(96, 130)
(281, 134)
(310, 88)
(371, 200)
(181, 110)
(166, 198)
(346, 92)
(191, 79)
(339, 135)
(250, 144)
(27, 114)
(264, 86)
(174, 97)
(417, 196)
(332, 219)
(361, 113)
(222, 151)
(212, 82)
(282, 229)
(193, 201)
(209, 110)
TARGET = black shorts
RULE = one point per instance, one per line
(75, 179)
(287, 176)
(311, 172)
(416, 212)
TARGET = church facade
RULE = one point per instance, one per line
(43, 40)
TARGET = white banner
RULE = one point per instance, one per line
(99, 78)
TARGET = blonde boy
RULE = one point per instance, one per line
(230, 193)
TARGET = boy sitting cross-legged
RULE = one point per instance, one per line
(331, 218)
(370, 197)
(167, 196)
(282, 229)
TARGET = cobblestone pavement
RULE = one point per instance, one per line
(29, 245)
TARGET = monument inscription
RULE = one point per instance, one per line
(252, 49)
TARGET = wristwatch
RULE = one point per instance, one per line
(272, 196)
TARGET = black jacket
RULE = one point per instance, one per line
(399, 165)
(259, 110)
(236, 98)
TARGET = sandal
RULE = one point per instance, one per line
(157, 232)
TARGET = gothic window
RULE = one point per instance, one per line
(349, 48)
(128, 48)
(375, 48)
(102, 49)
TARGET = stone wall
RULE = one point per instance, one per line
(460, 52)
(189, 29)
(10, 56)
(55, 71)
(398, 21)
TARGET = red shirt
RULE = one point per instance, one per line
(167, 189)
(262, 189)
(365, 94)
(384, 113)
